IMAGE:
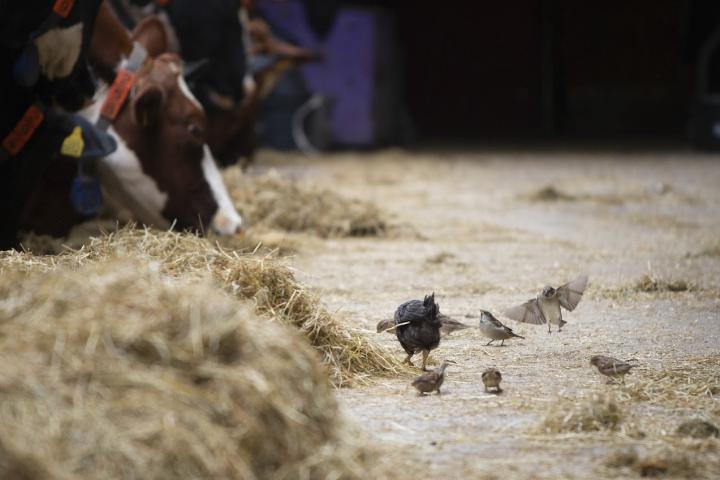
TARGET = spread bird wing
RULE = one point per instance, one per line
(570, 294)
(528, 312)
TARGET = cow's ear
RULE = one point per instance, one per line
(147, 105)
(152, 34)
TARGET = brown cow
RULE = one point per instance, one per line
(162, 171)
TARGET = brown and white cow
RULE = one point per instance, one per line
(162, 171)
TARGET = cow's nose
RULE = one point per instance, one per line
(226, 223)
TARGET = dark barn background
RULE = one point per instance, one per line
(549, 68)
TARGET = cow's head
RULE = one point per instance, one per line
(163, 170)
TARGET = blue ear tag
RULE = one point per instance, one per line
(85, 195)
(27, 68)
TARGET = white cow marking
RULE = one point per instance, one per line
(226, 221)
(186, 91)
(135, 191)
(58, 50)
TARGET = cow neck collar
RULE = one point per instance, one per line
(85, 191)
(119, 91)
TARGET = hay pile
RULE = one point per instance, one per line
(121, 369)
(596, 413)
(273, 202)
(265, 281)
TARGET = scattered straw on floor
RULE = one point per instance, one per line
(651, 283)
(595, 413)
(679, 385)
(271, 201)
(550, 194)
(121, 369)
(266, 281)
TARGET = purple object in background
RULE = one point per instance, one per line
(347, 76)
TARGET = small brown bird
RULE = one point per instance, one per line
(387, 325)
(450, 325)
(493, 328)
(491, 379)
(431, 381)
(546, 308)
(611, 367)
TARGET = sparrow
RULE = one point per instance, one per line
(417, 327)
(491, 379)
(492, 328)
(611, 367)
(546, 307)
(448, 325)
(429, 381)
(387, 325)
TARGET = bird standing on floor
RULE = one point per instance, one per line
(611, 367)
(448, 325)
(546, 307)
(492, 328)
(417, 327)
(431, 381)
(491, 379)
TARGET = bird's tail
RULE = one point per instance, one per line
(516, 335)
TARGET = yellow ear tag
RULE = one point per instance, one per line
(73, 144)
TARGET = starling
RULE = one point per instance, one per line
(417, 327)
(448, 325)
(492, 328)
(431, 381)
(546, 307)
(491, 379)
(611, 367)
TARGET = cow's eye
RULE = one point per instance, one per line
(195, 130)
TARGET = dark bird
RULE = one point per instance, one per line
(417, 327)
(448, 325)
(491, 379)
(611, 367)
(492, 328)
(546, 307)
(431, 381)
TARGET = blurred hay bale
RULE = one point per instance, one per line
(598, 412)
(117, 370)
(266, 281)
(271, 201)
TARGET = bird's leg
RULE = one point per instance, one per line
(549, 330)
(488, 343)
(425, 357)
(502, 342)
(438, 391)
(407, 359)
